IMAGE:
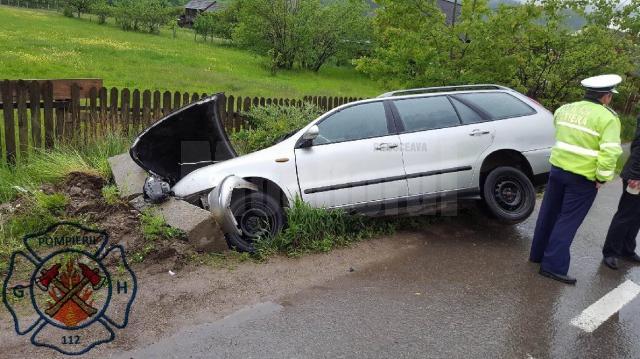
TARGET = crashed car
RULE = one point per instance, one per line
(400, 153)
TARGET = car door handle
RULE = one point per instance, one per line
(477, 132)
(384, 146)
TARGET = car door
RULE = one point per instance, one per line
(439, 150)
(355, 159)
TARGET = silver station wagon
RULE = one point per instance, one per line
(405, 152)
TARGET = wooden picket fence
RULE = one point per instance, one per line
(31, 117)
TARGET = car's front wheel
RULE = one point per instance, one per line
(258, 216)
(509, 195)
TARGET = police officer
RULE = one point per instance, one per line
(621, 237)
(583, 158)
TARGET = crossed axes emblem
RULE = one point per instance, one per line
(50, 276)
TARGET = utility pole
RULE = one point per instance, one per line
(453, 16)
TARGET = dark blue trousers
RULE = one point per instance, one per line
(621, 238)
(567, 200)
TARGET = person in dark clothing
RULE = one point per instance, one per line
(621, 237)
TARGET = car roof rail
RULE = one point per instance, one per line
(418, 91)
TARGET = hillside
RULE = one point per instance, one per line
(42, 44)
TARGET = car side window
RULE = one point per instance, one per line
(427, 113)
(354, 123)
(467, 115)
(498, 105)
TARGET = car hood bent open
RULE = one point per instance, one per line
(187, 139)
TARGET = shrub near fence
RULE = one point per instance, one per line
(30, 116)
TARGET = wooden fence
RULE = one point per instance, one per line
(31, 117)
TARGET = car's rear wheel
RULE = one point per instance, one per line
(509, 195)
(258, 216)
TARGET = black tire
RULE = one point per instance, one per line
(257, 215)
(508, 195)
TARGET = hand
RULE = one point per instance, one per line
(599, 184)
(633, 184)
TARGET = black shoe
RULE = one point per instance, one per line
(559, 277)
(611, 262)
(632, 258)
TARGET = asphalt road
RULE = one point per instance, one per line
(467, 290)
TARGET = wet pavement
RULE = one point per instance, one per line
(466, 290)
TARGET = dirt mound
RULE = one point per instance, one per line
(119, 220)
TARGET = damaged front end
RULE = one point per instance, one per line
(185, 140)
(219, 201)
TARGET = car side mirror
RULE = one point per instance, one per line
(308, 137)
(311, 133)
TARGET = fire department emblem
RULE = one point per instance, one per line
(68, 290)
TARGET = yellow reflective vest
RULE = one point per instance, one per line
(587, 140)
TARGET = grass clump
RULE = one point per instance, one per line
(154, 227)
(111, 194)
(53, 203)
(319, 230)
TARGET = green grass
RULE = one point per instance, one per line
(45, 44)
(154, 227)
(312, 230)
(53, 165)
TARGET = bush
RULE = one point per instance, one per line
(270, 123)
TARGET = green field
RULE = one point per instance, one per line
(43, 44)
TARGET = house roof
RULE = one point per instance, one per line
(447, 8)
(199, 4)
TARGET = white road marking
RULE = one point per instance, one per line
(597, 313)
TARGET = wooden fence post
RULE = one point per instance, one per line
(157, 105)
(113, 109)
(23, 126)
(49, 124)
(231, 101)
(36, 124)
(92, 121)
(125, 105)
(104, 106)
(75, 113)
(176, 100)
(146, 108)
(135, 111)
(9, 124)
(166, 103)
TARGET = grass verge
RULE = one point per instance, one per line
(318, 230)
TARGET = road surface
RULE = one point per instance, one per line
(465, 289)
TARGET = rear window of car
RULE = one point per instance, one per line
(498, 105)
(426, 113)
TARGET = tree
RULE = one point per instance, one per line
(306, 32)
(527, 47)
(147, 14)
(102, 9)
(154, 13)
(203, 25)
(340, 26)
(78, 6)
